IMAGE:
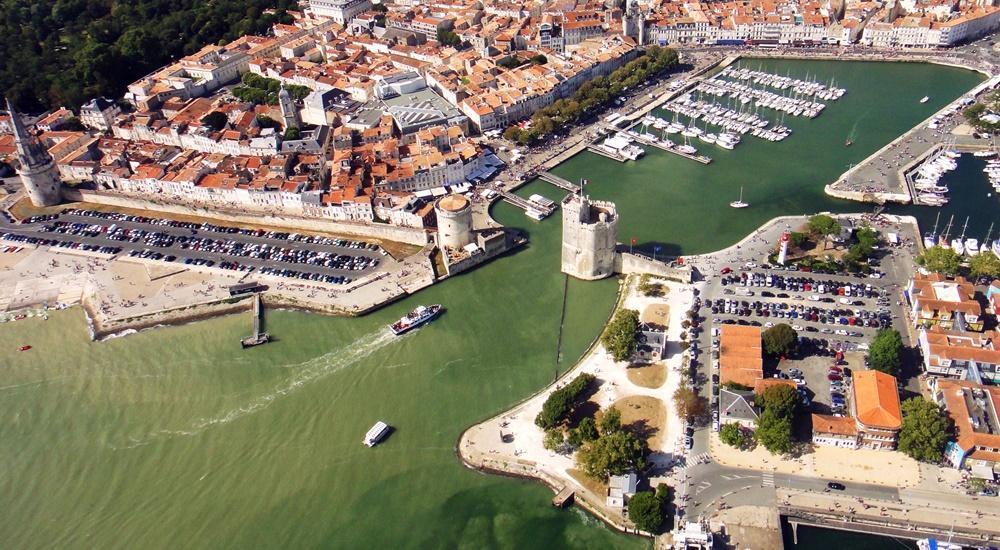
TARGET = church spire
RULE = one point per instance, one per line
(30, 151)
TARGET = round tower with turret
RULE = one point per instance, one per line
(39, 173)
(454, 221)
(590, 237)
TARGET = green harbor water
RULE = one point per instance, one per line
(683, 206)
(177, 438)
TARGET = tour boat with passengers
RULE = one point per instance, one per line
(415, 318)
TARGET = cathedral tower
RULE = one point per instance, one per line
(38, 171)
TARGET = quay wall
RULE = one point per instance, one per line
(407, 235)
(634, 264)
(882, 526)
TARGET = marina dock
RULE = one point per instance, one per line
(604, 153)
(559, 182)
(650, 143)
(525, 204)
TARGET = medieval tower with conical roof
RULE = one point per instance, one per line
(38, 171)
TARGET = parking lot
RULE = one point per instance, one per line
(291, 255)
(830, 313)
(835, 317)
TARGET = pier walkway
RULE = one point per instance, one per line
(883, 176)
(559, 182)
(651, 143)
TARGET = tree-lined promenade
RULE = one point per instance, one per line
(594, 95)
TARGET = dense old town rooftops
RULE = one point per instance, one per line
(383, 111)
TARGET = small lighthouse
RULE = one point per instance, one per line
(783, 251)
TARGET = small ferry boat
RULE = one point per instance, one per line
(376, 433)
(415, 318)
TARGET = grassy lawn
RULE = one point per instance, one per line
(647, 376)
(645, 416)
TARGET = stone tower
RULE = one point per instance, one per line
(288, 109)
(590, 235)
(633, 21)
(38, 171)
(454, 221)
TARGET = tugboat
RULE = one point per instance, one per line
(415, 318)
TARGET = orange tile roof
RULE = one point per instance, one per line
(829, 424)
(740, 358)
(876, 400)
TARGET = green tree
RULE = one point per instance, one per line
(688, 404)
(797, 239)
(734, 436)
(539, 59)
(554, 438)
(585, 431)
(561, 401)
(926, 430)
(509, 62)
(824, 226)
(781, 399)
(448, 38)
(215, 120)
(940, 259)
(611, 420)
(265, 121)
(780, 340)
(612, 454)
(512, 133)
(293, 133)
(645, 511)
(885, 353)
(985, 264)
(619, 338)
(774, 432)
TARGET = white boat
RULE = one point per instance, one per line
(930, 240)
(934, 544)
(984, 154)
(686, 149)
(971, 246)
(925, 99)
(958, 246)
(708, 138)
(995, 247)
(376, 433)
(739, 202)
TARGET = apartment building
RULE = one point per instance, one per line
(950, 303)
(974, 410)
(965, 355)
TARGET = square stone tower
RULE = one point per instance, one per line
(590, 235)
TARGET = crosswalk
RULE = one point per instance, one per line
(767, 479)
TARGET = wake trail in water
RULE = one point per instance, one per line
(304, 373)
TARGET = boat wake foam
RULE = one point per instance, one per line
(304, 373)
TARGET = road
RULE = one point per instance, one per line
(711, 485)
